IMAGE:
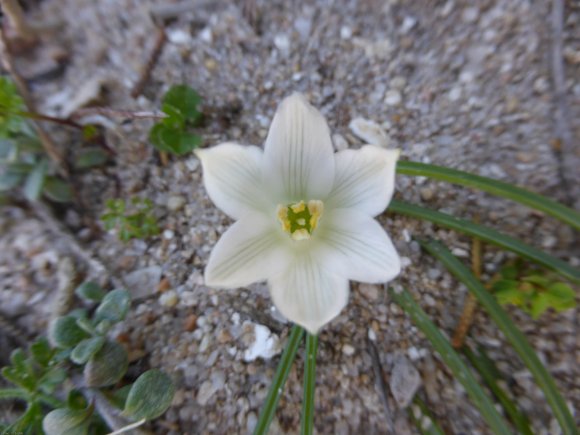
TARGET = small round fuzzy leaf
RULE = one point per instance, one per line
(91, 157)
(150, 396)
(86, 349)
(65, 421)
(114, 306)
(57, 190)
(107, 366)
(64, 332)
(90, 291)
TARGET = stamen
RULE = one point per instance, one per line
(300, 219)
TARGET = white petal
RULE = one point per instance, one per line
(364, 179)
(298, 155)
(249, 251)
(232, 177)
(309, 292)
(366, 252)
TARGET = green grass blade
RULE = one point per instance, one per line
(459, 369)
(13, 393)
(481, 364)
(269, 408)
(511, 332)
(429, 427)
(309, 384)
(487, 235)
(495, 187)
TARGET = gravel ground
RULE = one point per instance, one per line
(465, 84)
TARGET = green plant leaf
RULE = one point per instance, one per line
(90, 291)
(511, 332)
(488, 372)
(41, 352)
(107, 366)
(453, 361)
(150, 396)
(91, 157)
(307, 424)
(114, 306)
(86, 349)
(173, 140)
(57, 190)
(66, 421)
(284, 366)
(35, 181)
(64, 332)
(495, 187)
(487, 235)
(13, 393)
(183, 99)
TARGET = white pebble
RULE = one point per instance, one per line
(393, 97)
(369, 131)
(347, 349)
(169, 298)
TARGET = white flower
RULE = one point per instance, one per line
(304, 215)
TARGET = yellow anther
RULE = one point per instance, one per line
(300, 219)
(299, 207)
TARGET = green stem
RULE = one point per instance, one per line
(487, 235)
(279, 380)
(495, 187)
(512, 333)
(309, 384)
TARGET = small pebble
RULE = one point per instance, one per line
(175, 203)
(393, 97)
(169, 298)
(348, 350)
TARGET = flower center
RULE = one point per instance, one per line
(300, 219)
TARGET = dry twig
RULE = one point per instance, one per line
(160, 40)
(471, 302)
(46, 141)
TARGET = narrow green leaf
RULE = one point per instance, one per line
(511, 332)
(481, 364)
(424, 421)
(150, 396)
(269, 407)
(41, 351)
(307, 425)
(487, 235)
(13, 393)
(35, 181)
(480, 399)
(495, 187)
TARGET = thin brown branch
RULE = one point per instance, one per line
(160, 40)
(17, 20)
(470, 302)
(47, 143)
(115, 113)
